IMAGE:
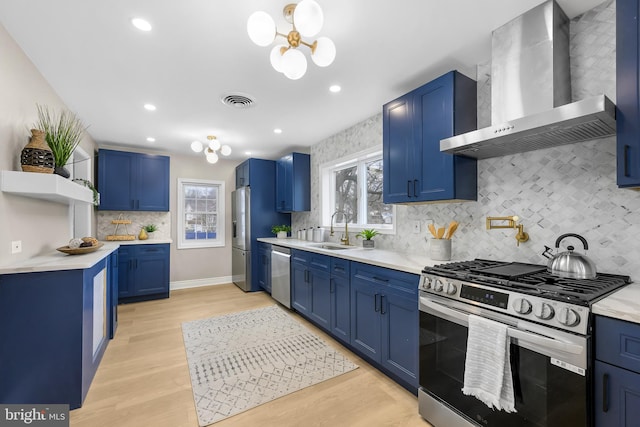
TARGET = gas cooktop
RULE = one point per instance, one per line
(530, 279)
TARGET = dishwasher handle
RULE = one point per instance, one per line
(281, 251)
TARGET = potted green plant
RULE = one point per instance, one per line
(89, 185)
(281, 230)
(63, 133)
(150, 229)
(367, 234)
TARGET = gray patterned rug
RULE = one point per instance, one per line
(242, 360)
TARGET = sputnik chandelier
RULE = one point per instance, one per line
(306, 19)
(211, 150)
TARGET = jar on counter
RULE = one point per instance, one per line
(309, 234)
(318, 234)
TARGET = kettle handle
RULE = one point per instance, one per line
(577, 236)
(547, 252)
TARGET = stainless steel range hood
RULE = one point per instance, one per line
(531, 92)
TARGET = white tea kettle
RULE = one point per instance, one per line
(570, 264)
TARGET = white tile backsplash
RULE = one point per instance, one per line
(138, 219)
(571, 188)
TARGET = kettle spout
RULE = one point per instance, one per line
(547, 252)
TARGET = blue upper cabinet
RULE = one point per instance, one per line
(242, 174)
(414, 168)
(133, 181)
(627, 93)
(293, 183)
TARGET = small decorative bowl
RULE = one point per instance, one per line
(79, 251)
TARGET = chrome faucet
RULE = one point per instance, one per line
(345, 237)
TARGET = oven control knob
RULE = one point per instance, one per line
(426, 282)
(568, 317)
(543, 311)
(450, 289)
(522, 306)
(437, 285)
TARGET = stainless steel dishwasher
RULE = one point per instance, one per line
(281, 275)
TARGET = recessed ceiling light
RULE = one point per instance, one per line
(141, 24)
(151, 139)
(248, 153)
(150, 107)
(277, 130)
(335, 88)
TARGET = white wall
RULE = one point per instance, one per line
(558, 190)
(40, 225)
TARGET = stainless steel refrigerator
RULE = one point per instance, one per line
(241, 241)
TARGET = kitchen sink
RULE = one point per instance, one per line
(332, 247)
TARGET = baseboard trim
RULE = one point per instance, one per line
(197, 283)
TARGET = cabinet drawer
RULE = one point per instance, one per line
(399, 280)
(618, 342)
(340, 267)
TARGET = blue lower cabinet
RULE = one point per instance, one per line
(143, 272)
(310, 286)
(51, 343)
(384, 320)
(320, 298)
(340, 293)
(617, 399)
(300, 284)
(264, 266)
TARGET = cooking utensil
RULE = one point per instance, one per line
(440, 233)
(432, 229)
(570, 264)
(452, 229)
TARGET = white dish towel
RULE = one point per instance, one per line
(487, 370)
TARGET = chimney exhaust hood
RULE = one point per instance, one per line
(531, 92)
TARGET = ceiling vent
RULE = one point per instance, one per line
(238, 100)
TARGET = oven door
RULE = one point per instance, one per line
(550, 372)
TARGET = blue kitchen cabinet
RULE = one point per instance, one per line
(627, 93)
(617, 373)
(55, 327)
(264, 270)
(340, 294)
(143, 272)
(293, 183)
(242, 174)
(414, 168)
(130, 181)
(384, 320)
(311, 287)
(112, 302)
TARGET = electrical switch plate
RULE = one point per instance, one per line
(416, 227)
(16, 246)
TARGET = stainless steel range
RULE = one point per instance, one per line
(548, 321)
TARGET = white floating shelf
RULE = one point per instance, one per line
(44, 186)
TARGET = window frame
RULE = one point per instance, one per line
(219, 241)
(328, 185)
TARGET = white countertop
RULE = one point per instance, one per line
(57, 261)
(410, 263)
(623, 304)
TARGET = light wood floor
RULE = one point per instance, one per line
(143, 379)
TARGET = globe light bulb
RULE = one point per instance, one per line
(214, 144)
(225, 150)
(196, 146)
(261, 28)
(212, 157)
(324, 53)
(276, 57)
(294, 64)
(308, 18)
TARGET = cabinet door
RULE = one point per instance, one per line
(365, 317)
(397, 148)
(116, 180)
(340, 308)
(320, 298)
(152, 269)
(617, 396)
(284, 188)
(300, 288)
(400, 326)
(152, 183)
(433, 111)
(627, 89)
(125, 271)
(264, 271)
(242, 174)
(113, 293)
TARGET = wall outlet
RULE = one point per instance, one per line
(416, 227)
(16, 246)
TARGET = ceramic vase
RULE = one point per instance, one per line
(36, 156)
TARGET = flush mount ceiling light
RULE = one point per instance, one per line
(306, 19)
(210, 151)
(141, 24)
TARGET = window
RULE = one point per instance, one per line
(353, 186)
(200, 213)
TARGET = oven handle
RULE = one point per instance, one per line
(550, 343)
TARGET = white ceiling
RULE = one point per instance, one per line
(106, 70)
